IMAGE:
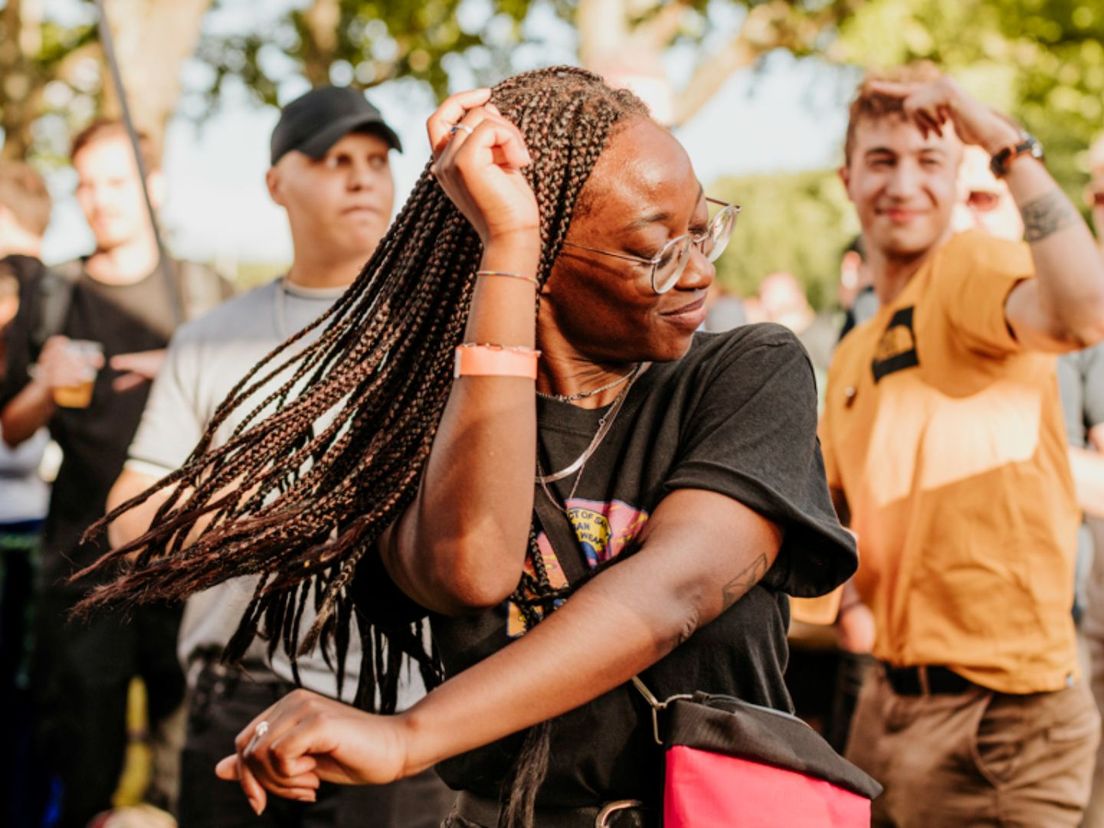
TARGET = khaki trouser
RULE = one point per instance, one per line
(976, 758)
(1093, 648)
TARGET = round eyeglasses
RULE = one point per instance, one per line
(669, 263)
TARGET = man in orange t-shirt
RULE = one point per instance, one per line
(944, 444)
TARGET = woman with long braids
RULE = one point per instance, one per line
(531, 312)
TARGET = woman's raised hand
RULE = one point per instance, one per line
(478, 159)
(306, 739)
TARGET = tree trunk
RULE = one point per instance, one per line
(629, 54)
(760, 33)
(318, 28)
(152, 38)
(624, 41)
(19, 88)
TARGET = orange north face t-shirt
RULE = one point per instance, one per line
(947, 439)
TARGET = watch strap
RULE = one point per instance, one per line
(1002, 159)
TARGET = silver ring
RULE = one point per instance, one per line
(258, 733)
(456, 127)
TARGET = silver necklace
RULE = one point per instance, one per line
(605, 423)
(582, 395)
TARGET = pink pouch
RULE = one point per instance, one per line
(730, 763)
(710, 790)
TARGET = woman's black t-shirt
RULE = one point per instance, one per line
(736, 415)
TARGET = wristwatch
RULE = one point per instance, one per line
(1027, 144)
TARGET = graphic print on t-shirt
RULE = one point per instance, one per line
(603, 530)
(897, 348)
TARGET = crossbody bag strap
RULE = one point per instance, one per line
(561, 535)
(656, 705)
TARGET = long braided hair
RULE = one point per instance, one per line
(319, 467)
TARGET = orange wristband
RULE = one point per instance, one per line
(485, 360)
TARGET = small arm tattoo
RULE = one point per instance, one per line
(1047, 214)
(735, 589)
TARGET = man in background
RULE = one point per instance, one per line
(85, 341)
(856, 293)
(1094, 192)
(24, 214)
(984, 202)
(945, 448)
(1082, 379)
(783, 300)
(330, 172)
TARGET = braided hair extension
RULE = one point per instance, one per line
(319, 467)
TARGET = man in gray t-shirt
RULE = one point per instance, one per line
(205, 361)
(330, 173)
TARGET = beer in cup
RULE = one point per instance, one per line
(80, 396)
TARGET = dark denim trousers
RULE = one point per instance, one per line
(80, 674)
(18, 553)
(225, 701)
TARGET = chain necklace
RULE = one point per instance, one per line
(548, 492)
(605, 423)
(582, 395)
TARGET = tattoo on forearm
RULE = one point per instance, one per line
(735, 589)
(1047, 214)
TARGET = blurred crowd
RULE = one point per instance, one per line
(114, 366)
(84, 341)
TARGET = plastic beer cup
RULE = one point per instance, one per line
(80, 395)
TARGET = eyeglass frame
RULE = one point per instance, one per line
(695, 241)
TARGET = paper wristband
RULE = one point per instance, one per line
(495, 361)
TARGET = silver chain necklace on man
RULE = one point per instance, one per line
(605, 423)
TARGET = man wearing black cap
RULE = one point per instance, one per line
(330, 173)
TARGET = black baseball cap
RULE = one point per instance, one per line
(314, 122)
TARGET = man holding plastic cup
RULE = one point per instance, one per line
(68, 367)
(88, 336)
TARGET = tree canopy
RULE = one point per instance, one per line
(1041, 61)
(796, 222)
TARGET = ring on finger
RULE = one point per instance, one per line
(258, 733)
(457, 127)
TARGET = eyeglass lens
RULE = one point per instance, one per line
(673, 258)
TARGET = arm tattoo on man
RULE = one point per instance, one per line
(735, 589)
(1047, 214)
